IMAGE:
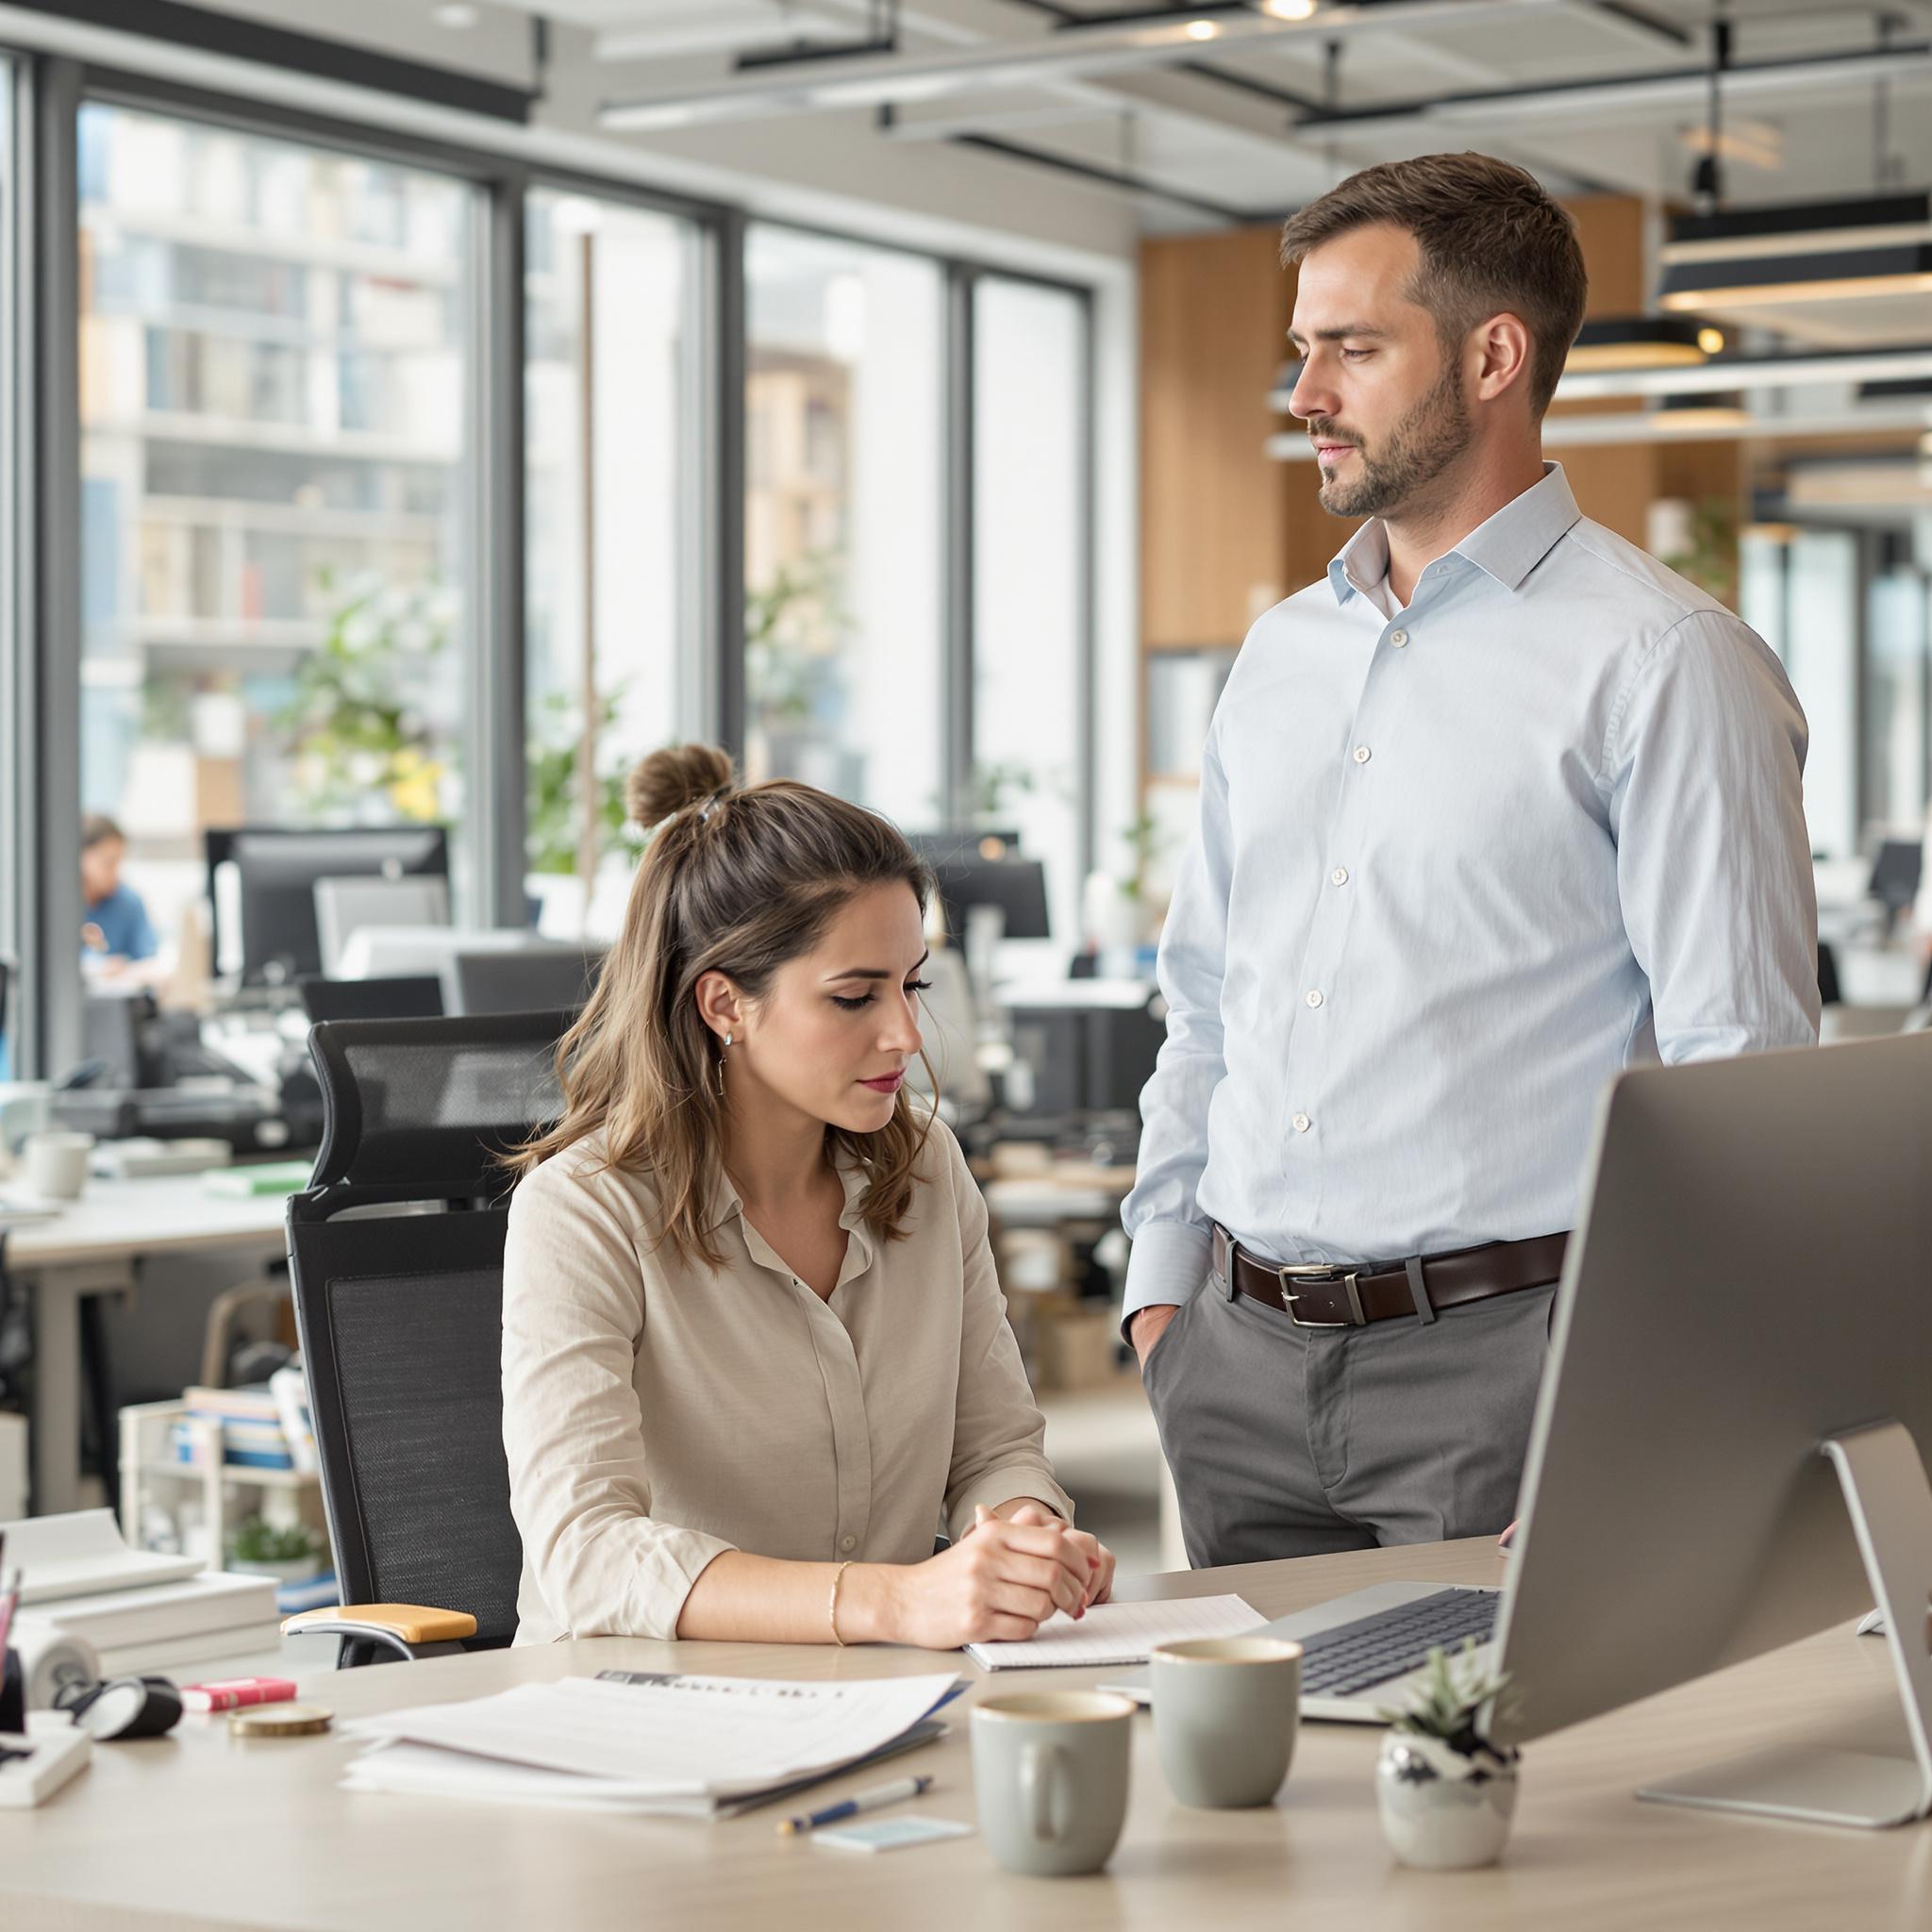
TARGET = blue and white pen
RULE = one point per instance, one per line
(864, 1801)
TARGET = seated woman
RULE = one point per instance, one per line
(752, 1344)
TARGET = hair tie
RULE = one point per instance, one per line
(711, 804)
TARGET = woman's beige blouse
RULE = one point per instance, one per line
(656, 1413)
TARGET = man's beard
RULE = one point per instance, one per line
(1415, 452)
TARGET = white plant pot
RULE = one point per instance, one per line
(1440, 1810)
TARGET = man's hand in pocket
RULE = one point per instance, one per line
(1148, 1325)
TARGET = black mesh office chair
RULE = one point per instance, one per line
(400, 1316)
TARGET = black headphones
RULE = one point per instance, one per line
(122, 1707)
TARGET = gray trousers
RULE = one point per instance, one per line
(1288, 1442)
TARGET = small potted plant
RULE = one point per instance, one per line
(1445, 1792)
(286, 1551)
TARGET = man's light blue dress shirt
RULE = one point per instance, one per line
(1456, 865)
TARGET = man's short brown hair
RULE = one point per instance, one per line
(1491, 239)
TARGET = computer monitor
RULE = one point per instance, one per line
(345, 906)
(407, 997)
(1895, 873)
(533, 979)
(1750, 1282)
(272, 887)
(1016, 886)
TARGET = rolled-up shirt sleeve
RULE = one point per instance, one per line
(574, 1315)
(1704, 780)
(998, 1432)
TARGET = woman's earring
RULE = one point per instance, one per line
(721, 1069)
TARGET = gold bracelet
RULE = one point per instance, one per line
(832, 1607)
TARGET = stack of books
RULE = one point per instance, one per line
(251, 1423)
(264, 1426)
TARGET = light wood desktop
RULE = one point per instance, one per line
(96, 1246)
(201, 1827)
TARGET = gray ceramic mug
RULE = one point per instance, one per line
(1050, 1772)
(1225, 1712)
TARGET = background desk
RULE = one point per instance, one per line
(199, 1827)
(95, 1247)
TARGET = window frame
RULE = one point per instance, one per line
(40, 630)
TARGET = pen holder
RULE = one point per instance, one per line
(13, 1694)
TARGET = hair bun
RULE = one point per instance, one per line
(670, 780)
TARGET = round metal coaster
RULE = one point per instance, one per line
(281, 1721)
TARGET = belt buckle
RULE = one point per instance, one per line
(1322, 1270)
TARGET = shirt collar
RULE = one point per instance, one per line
(729, 1205)
(1507, 546)
(1362, 562)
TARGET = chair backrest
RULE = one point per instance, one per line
(415, 996)
(395, 1251)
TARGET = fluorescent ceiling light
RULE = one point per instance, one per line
(825, 83)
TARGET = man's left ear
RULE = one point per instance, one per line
(1507, 349)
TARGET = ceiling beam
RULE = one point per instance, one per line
(826, 84)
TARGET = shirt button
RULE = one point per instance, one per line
(1339, 876)
(848, 1542)
(1314, 996)
(1302, 1124)
(1361, 754)
(1398, 637)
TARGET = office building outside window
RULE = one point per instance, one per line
(1029, 537)
(272, 373)
(844, 555)
(609, 386)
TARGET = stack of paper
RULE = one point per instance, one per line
(140, 1610)
(696, 1747)
(1117, 1632)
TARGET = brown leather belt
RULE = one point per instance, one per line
(1424, 1285)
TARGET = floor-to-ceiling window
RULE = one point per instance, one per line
(1029, 412)
(273, 382)
(610, 387)
(844, 584)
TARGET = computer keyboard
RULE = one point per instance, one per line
(1373, 1650)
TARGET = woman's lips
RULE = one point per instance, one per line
(886, 1083)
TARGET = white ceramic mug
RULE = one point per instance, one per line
(55, 1164)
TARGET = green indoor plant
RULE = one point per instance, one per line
(1446, 1791)
(284, 1550)
(359, 726)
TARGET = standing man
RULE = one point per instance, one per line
(1497, 808)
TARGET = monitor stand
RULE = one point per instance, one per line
(1890, 1504)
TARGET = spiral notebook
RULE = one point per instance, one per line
(1114, 1634)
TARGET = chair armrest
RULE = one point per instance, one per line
(412, 1629)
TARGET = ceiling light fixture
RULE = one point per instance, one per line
(1638, 342)
(1290, 10)
(1202, 29)
(1792, 265)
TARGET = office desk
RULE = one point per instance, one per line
(95, 1248)
(200, 1828)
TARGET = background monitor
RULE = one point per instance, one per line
(533, 979)
(1016, 886)
(272, 887)
(1895, 873)
(344, 907)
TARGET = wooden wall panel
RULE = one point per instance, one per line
(1214, 314)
